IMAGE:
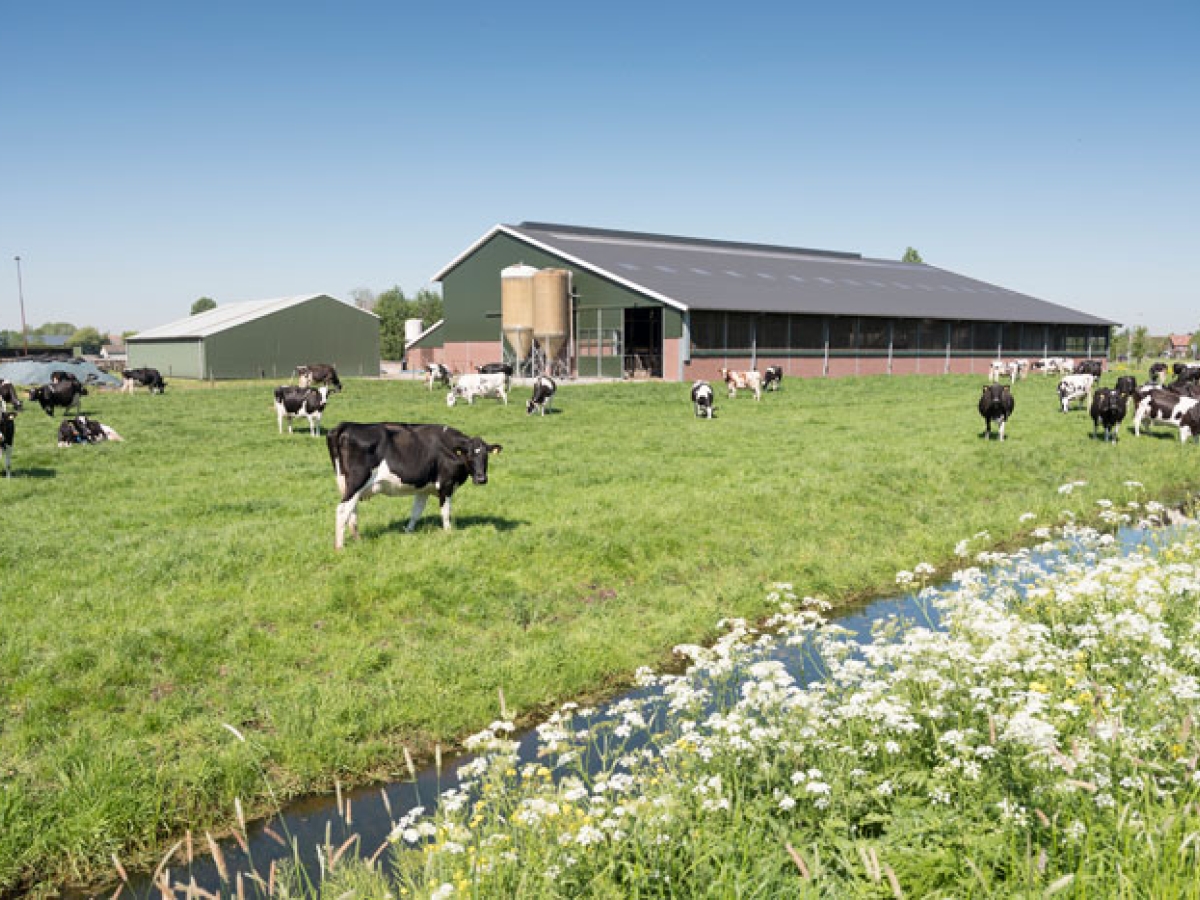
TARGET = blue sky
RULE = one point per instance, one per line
(154, 153)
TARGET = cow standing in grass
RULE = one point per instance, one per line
(702, 399)
(402, 460)
(8, 396)
(544, 389)
(8, 430)
(772, 378)
(318, 374)
(436, 373)
(747, 381)
(1108, 409)
(291, 402)
(1075, 387)
(996, 405)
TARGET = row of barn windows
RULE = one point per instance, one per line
(730, 331)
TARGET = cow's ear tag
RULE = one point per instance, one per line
(495, 448)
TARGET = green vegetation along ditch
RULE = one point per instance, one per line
(157, 589)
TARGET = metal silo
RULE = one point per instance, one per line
(551, 312)
(517, 308)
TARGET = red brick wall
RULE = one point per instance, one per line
(465, 356)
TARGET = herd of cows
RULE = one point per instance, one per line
(421, 461)
(1175, 403)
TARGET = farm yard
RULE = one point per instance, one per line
(184, 580)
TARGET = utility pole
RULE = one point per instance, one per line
(21, 296)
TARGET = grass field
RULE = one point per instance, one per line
(156, 589)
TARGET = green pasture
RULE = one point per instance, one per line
(155, 590)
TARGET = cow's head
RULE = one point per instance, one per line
(475, 452)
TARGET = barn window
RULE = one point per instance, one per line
(808, 333)
(708, 330)
(841, 332)
(739, 334)
(872, 333)
(904, 334)
(987, 337)
(932, 335)
(960, 336)
(773, 331)
(1033, 338)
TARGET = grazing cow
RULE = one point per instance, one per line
(82, 430)
(996, 405)
(1093, 367)
(747, 381)
(468, 387)
(436, 373)
(67, 393)
(702, 399)
(543, 392)
(318, 373)
(1126, 385)
(772, 379)
(1162, 405)
(1184, 388)
(8, 396)
(1108, 408)
(150, 378)
(1158, 373)
(58, 376)
(1075, 387)
(291, 402)
(8, 428)
(1186, 374)
(402, 460)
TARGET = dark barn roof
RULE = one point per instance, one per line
(699, 274)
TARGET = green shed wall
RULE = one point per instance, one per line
(179, 358)
(321, 330)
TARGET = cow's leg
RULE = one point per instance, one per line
(279, 417)
(504, 396)
(1003, 422)
(445, 504)
(347, 516)
(8, 462)
(418, 507)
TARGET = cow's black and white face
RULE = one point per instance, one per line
(475, 454)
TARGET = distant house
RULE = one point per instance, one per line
(1179, 346)
(262, 339)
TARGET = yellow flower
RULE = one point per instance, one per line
(1038, 687)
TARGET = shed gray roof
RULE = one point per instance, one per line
(230, 315)
(700, 274)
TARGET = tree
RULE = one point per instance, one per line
(1118, 343)
(203, 305)
(364, 298)
(392, 309)
(911, 256)
(87, 339)
(1139, 344)
(427, 306)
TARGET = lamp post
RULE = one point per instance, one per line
(21, 296)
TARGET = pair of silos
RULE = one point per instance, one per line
(535, 304)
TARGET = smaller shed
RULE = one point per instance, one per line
(262, 339)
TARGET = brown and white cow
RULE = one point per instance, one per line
(318, 373)
(746, 381)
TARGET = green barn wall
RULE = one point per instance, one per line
(471, 294)
(174, 359)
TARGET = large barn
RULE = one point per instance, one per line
(262, 339)
(681, 308)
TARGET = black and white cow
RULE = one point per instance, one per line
(1126, 385)
(309, 402)
(436, 373)
(495, 368)
(150, 378)
(996, 404)
(1108, 409)
(67, 393)
(543, 392)
(702, 399)
(772, 378)
(1186, 374)
(8, 429)
(1162, 405)
(1075, 387)
(470, 386)
(1093, 367)
(1158, 373)
(402, 460)
(318, 373)
(8, 396)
